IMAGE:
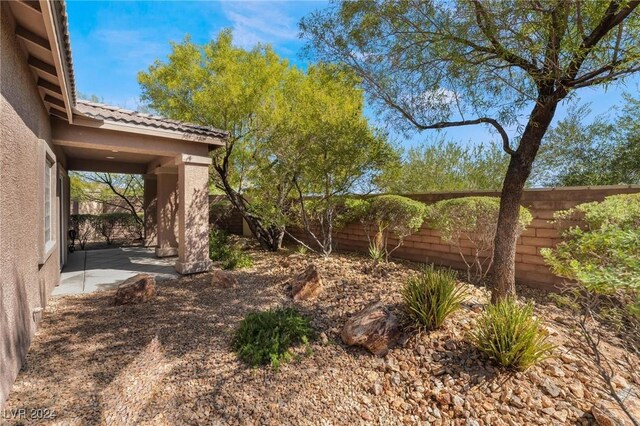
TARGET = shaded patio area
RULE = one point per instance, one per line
(94, 270)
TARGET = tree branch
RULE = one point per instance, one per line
(487, 28)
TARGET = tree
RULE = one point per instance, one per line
(434, 65)
(603, 152)
(230, 88)
(108, 188)
(447, 166)
(335, 150)
(292, 134)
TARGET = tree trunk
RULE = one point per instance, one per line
(517, 174)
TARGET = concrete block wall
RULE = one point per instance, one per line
(427, 246)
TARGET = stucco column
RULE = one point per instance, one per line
(150, 212)
(167, 213)
(193, 222)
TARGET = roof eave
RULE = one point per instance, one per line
(82, 120)
(52, 26)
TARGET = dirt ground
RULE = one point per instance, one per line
(169, 361)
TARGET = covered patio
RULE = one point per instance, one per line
(172, 156)
(87, 271)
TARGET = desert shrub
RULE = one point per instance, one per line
(510, 335)
(107, 224)
(237, 259)
(131, 226)
(319, 219)
(267, 337)
(431, 296)
(219, 246)
(469, 224)
(391, 216)
(600, 248)
(83, 225)
(221, 249)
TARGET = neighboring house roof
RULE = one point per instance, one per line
(120, 115)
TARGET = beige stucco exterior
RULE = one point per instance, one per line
(43, 124)
(27, 277)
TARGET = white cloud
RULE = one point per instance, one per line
(260, 22)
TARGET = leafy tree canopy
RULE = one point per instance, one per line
(447, 166)
(603, 152)
(292, 133)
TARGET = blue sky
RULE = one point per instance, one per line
(112, 41)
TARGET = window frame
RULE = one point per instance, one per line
(47, 170)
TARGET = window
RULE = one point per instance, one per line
(48, 202)
(48, 172)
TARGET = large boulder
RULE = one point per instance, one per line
(224, 279)
(137, 289)
(375, 328)
(607, 412)
(307, 285)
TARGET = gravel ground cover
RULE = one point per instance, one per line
(168, 362)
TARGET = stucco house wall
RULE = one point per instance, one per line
(27, 278)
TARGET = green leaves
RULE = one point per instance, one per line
(266, 337)
(447, 166)
(470, 224)
(293, 133)
(603, 152)
(601, 245)
(510, 335)
(430, 297)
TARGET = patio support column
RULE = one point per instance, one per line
(167, 213)
(193, 222)
(150, 212)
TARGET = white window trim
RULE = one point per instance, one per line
(47, 248)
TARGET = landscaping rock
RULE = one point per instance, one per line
(607, 412)
(307, 285)
(137, 289)
(375, 328)
(224, 279)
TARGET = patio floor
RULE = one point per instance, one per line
(93, 270)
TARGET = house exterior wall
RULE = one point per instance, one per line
(27, 277)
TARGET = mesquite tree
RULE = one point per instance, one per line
(435, 65)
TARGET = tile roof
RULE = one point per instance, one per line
(60, 10)
(111, 113)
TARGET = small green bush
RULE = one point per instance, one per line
(430, 297)
(600, 248)
(237, 259)
(472, 220)
(266, 337)
(221, 249)
(510, 335)
(388, 216)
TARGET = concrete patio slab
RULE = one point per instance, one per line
(95, 270)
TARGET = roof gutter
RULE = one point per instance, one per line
(53, 27)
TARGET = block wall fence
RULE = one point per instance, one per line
(427, 246)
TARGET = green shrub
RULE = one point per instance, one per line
(220, 249)
(474, 220)
(267, 337)
(237, 259)
(510, 335)
(600, 248)
(219, 246)
(391, 216)
(430, 297)
(83, 225)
